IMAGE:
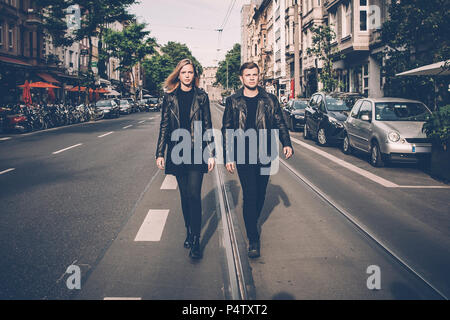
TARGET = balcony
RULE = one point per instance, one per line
(32, 18)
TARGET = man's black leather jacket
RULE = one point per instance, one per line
(268, 116)
(170, 119)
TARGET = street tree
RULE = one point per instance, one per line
(228, 71)
(159, 66)
(322, 48)
(415, 34)
(130, 46)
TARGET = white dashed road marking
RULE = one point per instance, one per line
(128, 126)
(121, 298)
(153, 226)
(8, 170)
(106, 134)
(77, 145)
(169, 183)
(5, 138)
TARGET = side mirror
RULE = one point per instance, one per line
(365, 117)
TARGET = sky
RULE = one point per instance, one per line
(194, 23)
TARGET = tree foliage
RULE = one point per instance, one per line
(230, 65)
(322, 48)
(416, 34)
(159, 66)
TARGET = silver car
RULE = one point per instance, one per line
(390, 129)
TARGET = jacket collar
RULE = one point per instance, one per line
(261, 92)
(195, 106)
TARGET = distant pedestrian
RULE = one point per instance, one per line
(185, 106)
(251, 107)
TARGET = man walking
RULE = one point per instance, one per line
(252, 110)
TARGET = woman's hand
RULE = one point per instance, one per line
(160, 163)
(211, 164)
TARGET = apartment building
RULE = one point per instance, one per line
(357, 25)
(207, 80)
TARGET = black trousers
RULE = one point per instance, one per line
(254, 187)
(190, 185)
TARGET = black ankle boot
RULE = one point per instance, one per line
(196, 252)
(188, 241)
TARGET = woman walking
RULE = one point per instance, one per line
(185, 107)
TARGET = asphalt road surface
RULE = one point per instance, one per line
(91, 196)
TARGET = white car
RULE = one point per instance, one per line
(390, 129)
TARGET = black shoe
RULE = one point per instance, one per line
(254, 250)
(188, 241)
(196, 252)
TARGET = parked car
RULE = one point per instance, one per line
(153, 104)
(109, 107)
(134, 107)
(324, 118)
(125, 107)
(390, 129)
(294, 113)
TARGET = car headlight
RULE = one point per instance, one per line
(335, 122)
(393, 136)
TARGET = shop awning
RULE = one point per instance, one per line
(436, 69)
(47, 77)
(14, 61)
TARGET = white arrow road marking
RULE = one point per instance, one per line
(77, 145)
(106, 134)
(8, 170)
(153, 226)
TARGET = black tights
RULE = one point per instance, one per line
(190, 185)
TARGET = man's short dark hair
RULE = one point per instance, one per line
(248, 65)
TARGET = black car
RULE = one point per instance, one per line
(153, 104)
(324, 117)
(109, 107)
(134, 107)
(294, 113)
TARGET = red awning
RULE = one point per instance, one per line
(47, 77)
(14, 61)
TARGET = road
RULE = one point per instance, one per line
(90, 195)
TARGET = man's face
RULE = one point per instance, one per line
(250, 78)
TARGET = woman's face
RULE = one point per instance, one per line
(186, 75)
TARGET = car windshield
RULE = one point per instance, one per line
(123, 101)
(336, 104)
(103, 103)
(153, 100)
(401, 111)
(300, 104)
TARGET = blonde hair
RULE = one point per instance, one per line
(173, 82)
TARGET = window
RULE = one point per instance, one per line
(365, 82)
(11, 37)
(363, 15)
(31, 44)
(355, 110)
(366, 109)
(1, 35)
(346, 20)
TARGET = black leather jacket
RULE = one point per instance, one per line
(268, 116)
(170, 119)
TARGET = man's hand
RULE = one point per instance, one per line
(230, 167)
(211, 164)
(160, 163)
(287, 152)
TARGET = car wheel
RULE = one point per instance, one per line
(375, 155)
(306, 135)
(322, 137)
(346, 147)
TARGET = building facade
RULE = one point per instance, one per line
(207, 80)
